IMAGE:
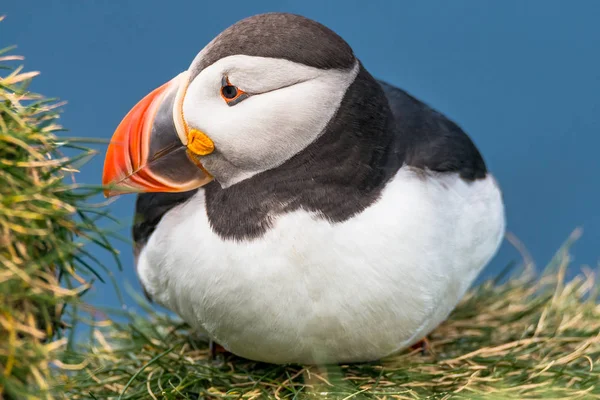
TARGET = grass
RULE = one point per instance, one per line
(525, 337)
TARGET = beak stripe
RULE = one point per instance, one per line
(178, 119)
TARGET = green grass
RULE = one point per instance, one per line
(527, 337)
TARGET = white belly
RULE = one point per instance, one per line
(312, 292)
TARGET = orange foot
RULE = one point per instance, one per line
(214, 349)
(423, 344)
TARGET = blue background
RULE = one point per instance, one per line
(521, 77)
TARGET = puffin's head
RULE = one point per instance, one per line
(258, 94)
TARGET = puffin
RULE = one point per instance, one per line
(293, 208)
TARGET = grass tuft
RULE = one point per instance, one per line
(43, 228)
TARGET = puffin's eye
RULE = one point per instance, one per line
(230, 93)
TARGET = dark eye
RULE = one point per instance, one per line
(229, 92)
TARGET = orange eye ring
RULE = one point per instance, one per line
(231, 94)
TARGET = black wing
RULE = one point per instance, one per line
(149, 210)
(431, 140)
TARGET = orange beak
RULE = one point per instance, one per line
(148, 151)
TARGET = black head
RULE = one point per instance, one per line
(279, 35)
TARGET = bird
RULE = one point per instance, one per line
(294, 208)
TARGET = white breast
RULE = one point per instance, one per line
(309, 291)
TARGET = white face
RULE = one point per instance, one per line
(288, 107)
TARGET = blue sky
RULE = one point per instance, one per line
(521, 77)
